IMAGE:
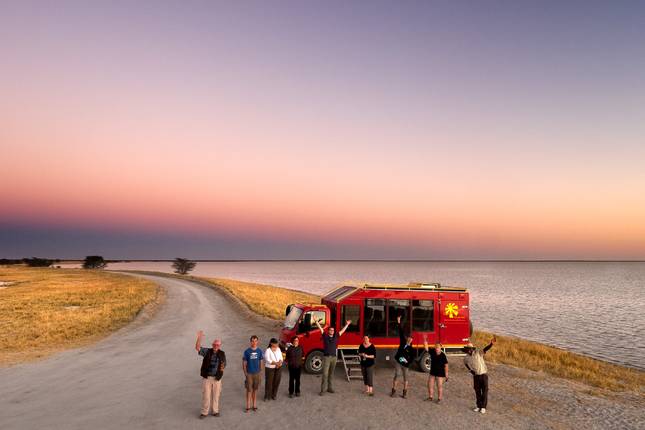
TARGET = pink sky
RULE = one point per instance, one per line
(281, 134)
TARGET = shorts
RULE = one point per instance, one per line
(399, 371)
(252, 382)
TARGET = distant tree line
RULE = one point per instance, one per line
(180, 265)
(38, 262)
(90, 262)
(31, 262)
(9, 261)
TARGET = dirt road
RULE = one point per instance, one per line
(147, 376)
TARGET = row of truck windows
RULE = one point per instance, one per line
(380, 317)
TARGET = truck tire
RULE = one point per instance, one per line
(314, 362)
(424, 362)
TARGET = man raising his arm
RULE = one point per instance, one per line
(330, 347)
(212, 371)
(474, 362)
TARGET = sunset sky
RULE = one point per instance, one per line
(270, 130)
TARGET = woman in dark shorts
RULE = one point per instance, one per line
(367, 353)
(438, 370)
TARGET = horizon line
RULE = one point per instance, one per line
(253, 260)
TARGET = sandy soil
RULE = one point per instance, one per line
(147, 376)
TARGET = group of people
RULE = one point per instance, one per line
(271, 360)
(254, 360)
(402, 360)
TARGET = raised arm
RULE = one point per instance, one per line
(319, 327)
(490, 345)
(198, 343)
(342, 330)
(401, 334)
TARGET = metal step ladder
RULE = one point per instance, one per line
(351, 363)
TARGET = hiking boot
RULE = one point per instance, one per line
(202, 416)
(405, 394)
(393, 393)
(216, 414)
(330, 390)
(482, 410)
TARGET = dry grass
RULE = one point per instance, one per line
(271, 301)
(45, 310)
(266, 300)
(563, 364)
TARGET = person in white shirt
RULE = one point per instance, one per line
(474, 362)
(272, 370)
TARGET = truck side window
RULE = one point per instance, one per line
(352, 312)
(312, 315)
(332, 314)
(423, 315)
(394, 309)
(374, 318)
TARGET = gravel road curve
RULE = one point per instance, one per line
(146, 376)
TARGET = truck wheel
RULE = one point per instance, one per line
(424, 362)
(314, 362)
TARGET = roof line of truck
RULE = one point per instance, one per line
(412, 286)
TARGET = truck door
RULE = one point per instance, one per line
(453, 319)
(353, 336)
(308, 332)
(440, 329)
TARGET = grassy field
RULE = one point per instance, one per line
(265, 300)
(43, 310)
(271, 301)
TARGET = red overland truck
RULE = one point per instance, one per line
(439, 312)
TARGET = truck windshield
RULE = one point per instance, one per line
(293, 317)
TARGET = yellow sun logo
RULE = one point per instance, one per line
(452, 310)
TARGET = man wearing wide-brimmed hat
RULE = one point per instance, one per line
(475, 363)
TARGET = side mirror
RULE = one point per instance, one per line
(288, 310)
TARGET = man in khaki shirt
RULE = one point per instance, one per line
(475, 363)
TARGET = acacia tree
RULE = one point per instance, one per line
(94, 262)
(183, 265)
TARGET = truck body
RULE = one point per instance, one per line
(437, 312)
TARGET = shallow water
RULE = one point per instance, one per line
(597, 309)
